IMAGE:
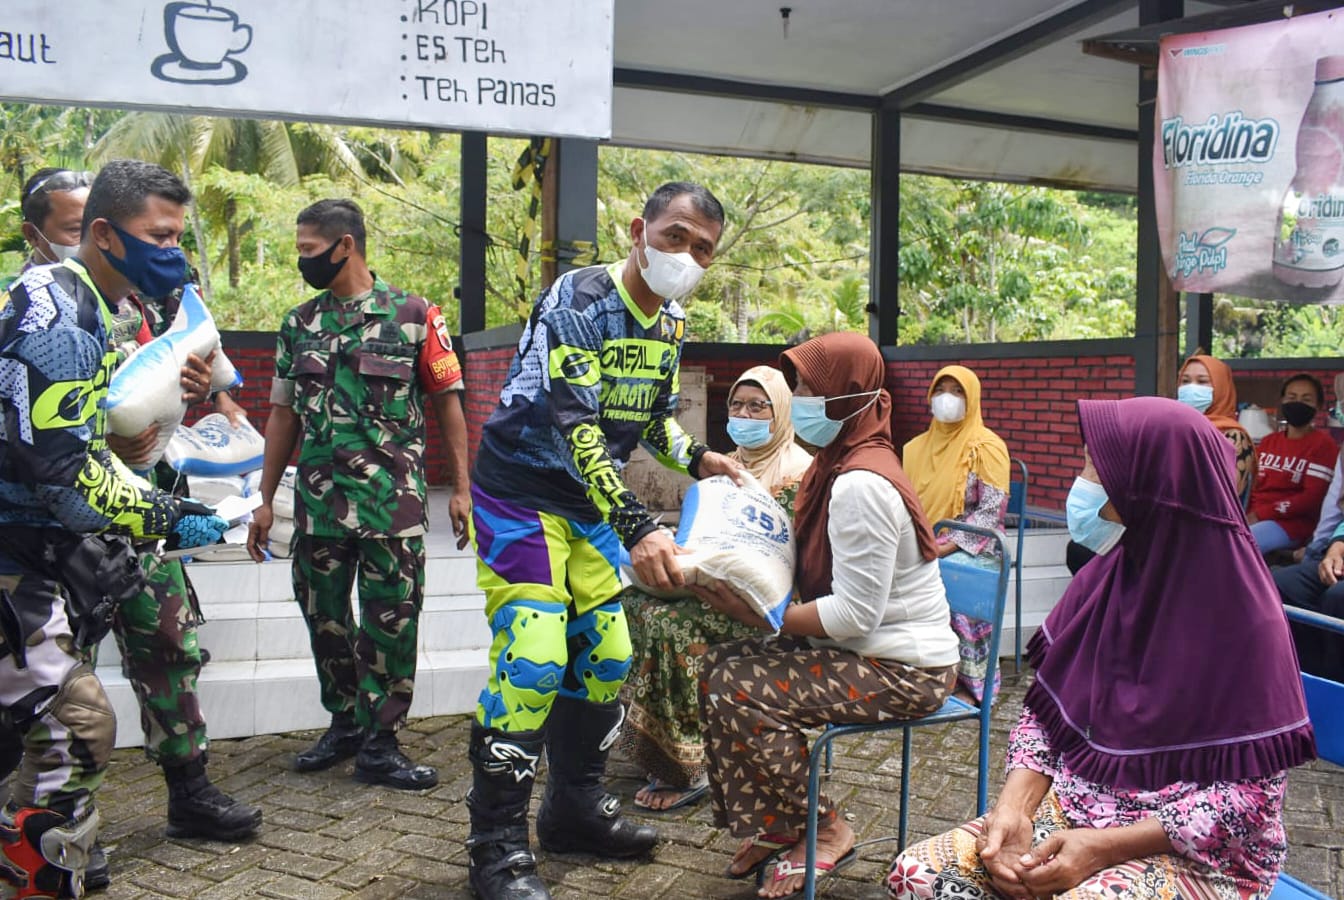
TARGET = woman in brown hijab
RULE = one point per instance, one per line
(868, 639)
(1206, 384)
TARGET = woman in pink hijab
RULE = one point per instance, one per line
(1152, 752)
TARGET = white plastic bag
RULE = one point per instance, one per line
(211, 491)
(213, 447)
(1257, 422)
(147, 388)
(738, 536)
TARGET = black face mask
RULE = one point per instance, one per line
(1297, 414)
(319, 271)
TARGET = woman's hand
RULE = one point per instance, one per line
(1331, 569)
(1064, 859)
(726, 601)
(1006, 839)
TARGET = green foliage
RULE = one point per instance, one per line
(1248, 328)
(979, 262)
(990, 262)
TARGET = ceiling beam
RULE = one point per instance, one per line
(1012, 122)
(675, 82)
(1140, 45)
(680, 83)
(1004, 50)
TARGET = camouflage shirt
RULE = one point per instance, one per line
(356, 372)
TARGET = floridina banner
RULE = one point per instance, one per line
(1249, 160)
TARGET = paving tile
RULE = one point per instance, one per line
(327, 837)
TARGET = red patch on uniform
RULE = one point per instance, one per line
(439, 367)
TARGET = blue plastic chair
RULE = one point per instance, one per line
(1017, 506)
(978, 591)
(1325, 705)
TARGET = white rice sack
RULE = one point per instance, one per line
(214, 447)
(211, 491)
(147, 388)
(282, 538)
(282, 504)
(741, 537)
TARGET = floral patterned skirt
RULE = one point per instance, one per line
(948, 866)
(669, 639)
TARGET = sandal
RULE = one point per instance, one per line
(774, 842)
(688, 795)
(787, 868)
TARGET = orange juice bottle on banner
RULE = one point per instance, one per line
(1309, 245)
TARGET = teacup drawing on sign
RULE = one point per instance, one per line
(203, 38)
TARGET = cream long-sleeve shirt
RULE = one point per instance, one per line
(887, 601)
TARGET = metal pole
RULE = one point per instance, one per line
(473, 238)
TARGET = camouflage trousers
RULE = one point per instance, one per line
(160, 656)
(51, 698)
(369, 668)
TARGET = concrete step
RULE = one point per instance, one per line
(240, 699)
(261, 678)
(1040, 546)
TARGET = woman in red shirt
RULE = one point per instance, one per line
(1294, 468)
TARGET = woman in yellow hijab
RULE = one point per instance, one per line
(960, 471)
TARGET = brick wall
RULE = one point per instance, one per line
(1260, 380)
(1029, 400)
(485, 372)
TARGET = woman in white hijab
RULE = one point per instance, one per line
(661, 732)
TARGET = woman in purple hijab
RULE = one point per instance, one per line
(1152, 752)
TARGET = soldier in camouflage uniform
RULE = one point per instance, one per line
(156, 632)
(353, 369)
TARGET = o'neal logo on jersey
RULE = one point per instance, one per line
(633, 372)
(69, 404)
(595, 466)
(574, 364)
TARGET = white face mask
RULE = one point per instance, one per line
(62, 252)
(670, 275)
(947, 407)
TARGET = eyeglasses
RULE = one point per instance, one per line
(755, 407)
(64, 180)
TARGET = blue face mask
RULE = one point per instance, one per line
(749, 433)
(811, 423)
(1199, 396)
(152, 270)
(1086, 526)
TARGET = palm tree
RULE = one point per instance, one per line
(282, 153)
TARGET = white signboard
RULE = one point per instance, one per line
(520, 66)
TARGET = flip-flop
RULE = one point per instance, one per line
(787, 868)
(690, 795)
(775, 843)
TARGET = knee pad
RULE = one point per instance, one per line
(82, 706)
(599, 654)
(528, 663)
(43, 853)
